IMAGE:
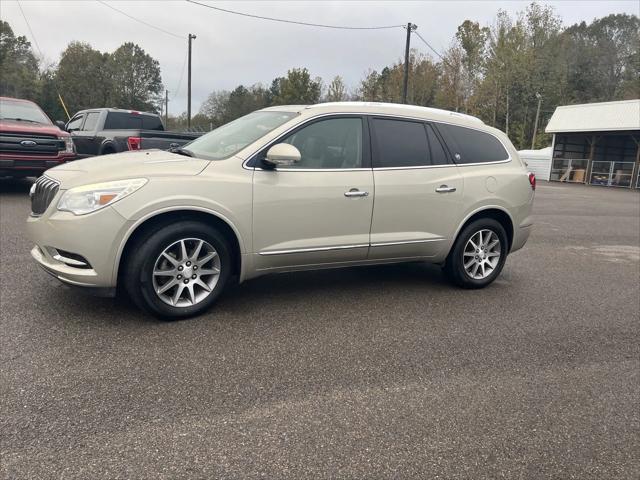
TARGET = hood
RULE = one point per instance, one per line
(120, 166)
(13, 126)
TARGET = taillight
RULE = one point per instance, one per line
(133, 143)
(532, 180)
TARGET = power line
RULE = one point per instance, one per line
(432, 49)
(282, 20)
(29, 27)
(184, 64)
(140, 21)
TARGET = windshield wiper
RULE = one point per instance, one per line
(20, 120)
(182, 151)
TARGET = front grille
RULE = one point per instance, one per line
(30, 144)
(42, 194)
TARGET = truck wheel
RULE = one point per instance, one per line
(478, 255)
(178, 270)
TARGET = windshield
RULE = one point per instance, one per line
(229, 139)
(22, 111)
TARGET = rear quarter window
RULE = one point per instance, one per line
(151, 123)
(122, 121)
(473, 146)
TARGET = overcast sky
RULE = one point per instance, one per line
(232, 50)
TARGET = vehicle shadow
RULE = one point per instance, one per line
(277, 292)
(17, 186)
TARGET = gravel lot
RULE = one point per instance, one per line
(373, 372)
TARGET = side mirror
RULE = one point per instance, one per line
(282, 155)
(61, 125)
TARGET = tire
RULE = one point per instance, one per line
(157, 259)
(463, 252)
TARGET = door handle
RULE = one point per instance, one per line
(445, 189)
(354, 192)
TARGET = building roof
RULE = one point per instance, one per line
(596, 117)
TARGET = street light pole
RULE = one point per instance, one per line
(535, 125)
(191, 37)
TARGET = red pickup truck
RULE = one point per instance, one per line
(29, 142)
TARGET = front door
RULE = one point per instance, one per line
(317, 211)
(418, 190)
(84, 138)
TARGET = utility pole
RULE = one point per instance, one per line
(166, 109)
(410, 28)
(535, 125)
(507, 132)
(191, 37)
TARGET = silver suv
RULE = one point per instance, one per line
(286, 188)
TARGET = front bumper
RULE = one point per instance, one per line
(30, 166)
(96, 237)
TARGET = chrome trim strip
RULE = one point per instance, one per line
(311, 250)
(407, 242)
(69, 261)
(406, 117)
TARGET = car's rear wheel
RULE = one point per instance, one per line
(478, 254)
(177, 270)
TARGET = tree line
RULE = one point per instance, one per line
(86, 78)
(494, 72)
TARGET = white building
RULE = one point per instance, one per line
(538, 162)
(596, 144)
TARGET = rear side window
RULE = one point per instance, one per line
(122, 121)
(473, 146)
(438, 155)
(400, 143)
(91, 121)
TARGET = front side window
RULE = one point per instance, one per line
(229, 139)
(400, 143)
(91, 121)
(75, 122)
(21, 111)
(472, 146)
(329, 144)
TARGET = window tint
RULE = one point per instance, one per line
(438, 155)
(473, 146)
(229, 139)
(400, 143)
(122, 121)
(332, 143)
(11, 109)
(91, 121)
(75, 122)
(151, 123)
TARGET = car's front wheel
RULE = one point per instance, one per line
(478, 255)
(177, 270)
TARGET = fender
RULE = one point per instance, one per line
(478, 210)
(175, 208)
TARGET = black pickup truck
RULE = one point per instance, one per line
(100, 131)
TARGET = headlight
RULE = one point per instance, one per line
(89, 198)
(68, 144)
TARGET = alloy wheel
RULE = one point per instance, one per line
(481, 254)
(186, 272)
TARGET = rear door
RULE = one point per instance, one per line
(319, 210)
(419, 191)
